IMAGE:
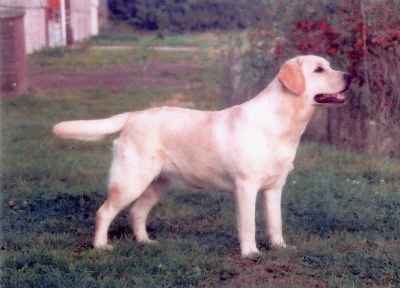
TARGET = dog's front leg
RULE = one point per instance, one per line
(246, 196)
(273, 216)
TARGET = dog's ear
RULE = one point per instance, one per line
(291, 76)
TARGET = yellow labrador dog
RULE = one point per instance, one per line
(245, 149)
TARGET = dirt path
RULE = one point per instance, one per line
(115, 77)
(156, 48)
(269, 274)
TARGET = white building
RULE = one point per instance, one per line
(51, 23)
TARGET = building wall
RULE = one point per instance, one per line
(13, 62)
(94, 17)
(55, 18)
(35, 29)
(34, 22)
(84, 19)
(48, 27)
(103, 13)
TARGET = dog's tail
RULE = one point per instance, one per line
(90, 130)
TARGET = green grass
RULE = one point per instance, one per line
(341, 209)
(82, 58)
(91, 57)
(122, 34)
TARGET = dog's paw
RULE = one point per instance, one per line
(104, 247)
(148, 241)
(253, 255)
(281, 246)
(291, 248)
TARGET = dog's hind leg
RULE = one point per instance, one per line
(142, 207)
(130, 175)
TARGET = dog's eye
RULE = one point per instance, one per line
(319, 69)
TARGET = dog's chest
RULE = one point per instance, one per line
(278, 162)
(271, 171)
(268, 161)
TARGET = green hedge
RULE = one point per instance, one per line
(188, 15)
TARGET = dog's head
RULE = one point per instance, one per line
(312, 77)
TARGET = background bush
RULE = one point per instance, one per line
(188, 15)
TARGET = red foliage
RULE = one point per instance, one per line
(352, 39)
(278, 51)
(317, 37)
(366, 42)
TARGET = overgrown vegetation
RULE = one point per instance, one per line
(341, 208)
(188, 15)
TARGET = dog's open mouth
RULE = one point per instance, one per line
(338, 98)
(335, 98)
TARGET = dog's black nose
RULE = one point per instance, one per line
(348, 77)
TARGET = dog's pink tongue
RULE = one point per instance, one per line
(340, 97)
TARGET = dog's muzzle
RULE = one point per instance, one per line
(335, 98)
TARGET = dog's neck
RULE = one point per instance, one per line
(281, 112)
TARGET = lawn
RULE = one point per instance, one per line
(341, 209)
